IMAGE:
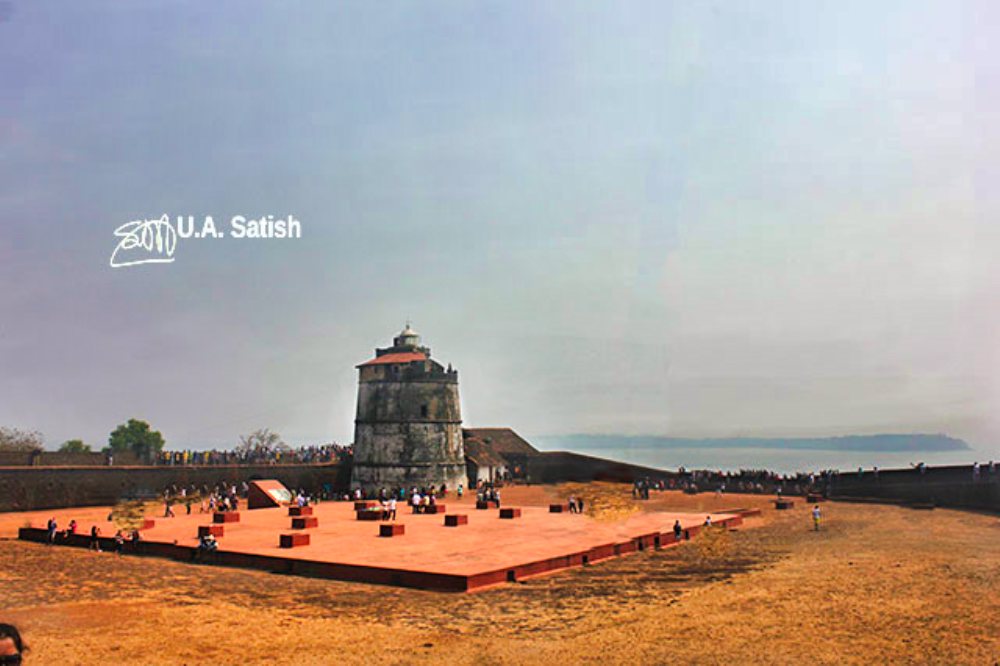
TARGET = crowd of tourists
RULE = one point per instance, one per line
(259, 455)
(752, 481)
(54, 535)
(401, 494)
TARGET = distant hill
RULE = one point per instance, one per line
(889, 442)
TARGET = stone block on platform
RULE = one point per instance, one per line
(226, 517)
(361, 505)
(300, 511)
(369, 514)
(294, 540)
(391, 530)
(214, 530)
(456, 519)
(510, 513)
(558, 508)
(435, 508)
(304, 522)
(781, 505)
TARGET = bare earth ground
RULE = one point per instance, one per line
(878, 584)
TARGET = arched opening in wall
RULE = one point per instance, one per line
(511, 576)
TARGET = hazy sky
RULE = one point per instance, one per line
(697, 218)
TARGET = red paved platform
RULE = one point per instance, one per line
(484, 553)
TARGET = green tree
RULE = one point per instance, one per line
(12, 439)
(137, 437)
(74, 446)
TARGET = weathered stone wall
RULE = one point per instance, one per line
(409, 432)
(382, 401)
(57, 459)
(27, 488)
(946, 486)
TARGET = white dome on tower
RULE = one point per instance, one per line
(407, 337)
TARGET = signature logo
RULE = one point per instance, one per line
(145, 242)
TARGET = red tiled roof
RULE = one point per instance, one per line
(401, 357)
(481, 454)
(503, 441)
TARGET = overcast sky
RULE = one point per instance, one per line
(697, 218)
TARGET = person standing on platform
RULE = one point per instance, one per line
(677, 530)
(51, 526)
(816, 517)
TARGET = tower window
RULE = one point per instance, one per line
(423, 411)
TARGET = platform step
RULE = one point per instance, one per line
(293, 540)
(391, 530)
(304, 522)
(214, 530)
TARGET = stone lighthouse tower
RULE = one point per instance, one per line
(408, 429)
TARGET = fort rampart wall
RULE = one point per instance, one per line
(27, 488)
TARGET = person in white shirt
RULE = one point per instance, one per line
(392, 508)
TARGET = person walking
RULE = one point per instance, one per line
(816, 517)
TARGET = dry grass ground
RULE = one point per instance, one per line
(878, 584)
